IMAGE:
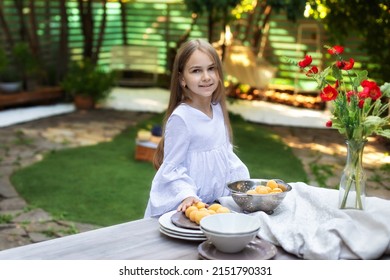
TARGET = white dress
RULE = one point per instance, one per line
(198, 161)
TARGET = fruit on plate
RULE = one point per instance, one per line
(199, 215)
(189, 210)
(200, 205)
(192, 216)
(223, 210)
(214, 206)
(198, 211)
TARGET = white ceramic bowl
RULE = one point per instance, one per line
(230, 232)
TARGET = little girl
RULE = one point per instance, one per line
(195, 158)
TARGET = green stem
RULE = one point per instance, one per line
(354, 173)
(346, 192)
(358, 192)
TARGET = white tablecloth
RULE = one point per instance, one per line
(309, 224)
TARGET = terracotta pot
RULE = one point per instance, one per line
(84, 102)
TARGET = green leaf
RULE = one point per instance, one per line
(374, 121)
(377, 107)
(337, 124)
(320, 78)
(336, 72)
(384, 133)
(385, 89)
(358, 133)
(373, 124)
(360, 76)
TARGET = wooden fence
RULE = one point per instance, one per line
(161, 24)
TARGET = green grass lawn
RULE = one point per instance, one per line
(104, 185)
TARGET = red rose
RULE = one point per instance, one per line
(312, 71)
(345, 65)
(305, 62)
(336, 50)
(329, 123)
(370, 90)
(328, 93)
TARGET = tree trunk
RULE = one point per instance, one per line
(210, 22)
(24, 34)
(172, 51)
(224, 25)
(99, 42)
(33, 29)
(85, 10)
(63, 51)
(249, 23)
(4, 26)
(259, 33)
(124, 23)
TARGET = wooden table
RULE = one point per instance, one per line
(136, 240)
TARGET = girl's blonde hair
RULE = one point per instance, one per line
(180, 94)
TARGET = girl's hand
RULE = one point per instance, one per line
(187, 203)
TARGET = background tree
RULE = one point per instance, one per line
(123, 22)
(63, 49)
(90, 50)
(216, 11)
(23, 47)
(5, 28)
(254, 28)
(370, 20)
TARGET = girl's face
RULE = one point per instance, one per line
(200, 74)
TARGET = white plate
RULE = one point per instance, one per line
(165, 222)
(182, 233)
(181, 236)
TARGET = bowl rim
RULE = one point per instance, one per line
(289, 187)
(228, 233)
(230, 214)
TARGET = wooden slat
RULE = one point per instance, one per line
(42, 94)
(158, 24)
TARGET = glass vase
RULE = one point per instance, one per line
(352, 189)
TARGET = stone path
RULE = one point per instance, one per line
(24, 144)
(321, 151)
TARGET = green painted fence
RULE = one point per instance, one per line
(161, 24)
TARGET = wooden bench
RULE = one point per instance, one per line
(39, 96)
(138, 65)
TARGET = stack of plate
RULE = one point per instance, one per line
(169, 229)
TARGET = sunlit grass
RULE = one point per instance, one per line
(104, 185)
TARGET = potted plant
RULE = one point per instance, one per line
(87, 83)
(18, 68)
(10, 79)
(28, 65)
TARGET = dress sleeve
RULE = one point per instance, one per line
(238, 170)
(172, 183)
